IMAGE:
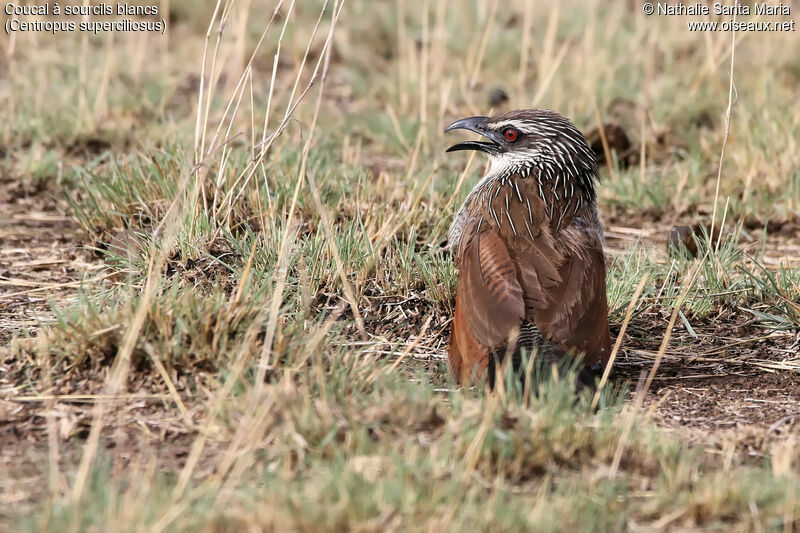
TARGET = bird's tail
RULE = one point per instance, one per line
(533, 355)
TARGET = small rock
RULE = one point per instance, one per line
(497, 97)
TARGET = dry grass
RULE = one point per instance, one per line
(245, 327)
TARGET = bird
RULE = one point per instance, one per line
(527, 244)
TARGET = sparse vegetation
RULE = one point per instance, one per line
(224, 302)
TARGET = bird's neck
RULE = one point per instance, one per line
(555, 196)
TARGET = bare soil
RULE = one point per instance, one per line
(747, 413)
(42, 258)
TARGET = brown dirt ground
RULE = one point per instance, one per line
(42, 260)
(726, 390)
(735, 386)
(43, 263)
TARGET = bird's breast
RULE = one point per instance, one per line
(520, 206)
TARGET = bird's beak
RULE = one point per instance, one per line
(478, 125)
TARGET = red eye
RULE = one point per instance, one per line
(511, 134)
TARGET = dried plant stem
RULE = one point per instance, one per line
(119, 370)
(199, 124)
(731, 100)
(481, 52)
(604, 141)
(642, 391)
(275, 59)
(631, 306)
(284, 250)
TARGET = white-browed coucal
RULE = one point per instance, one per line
(528, 246)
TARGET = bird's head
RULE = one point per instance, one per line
(519, 141)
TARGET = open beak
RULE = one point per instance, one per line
(478, 125)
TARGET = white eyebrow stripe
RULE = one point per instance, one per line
(518, 124)
(500, 125)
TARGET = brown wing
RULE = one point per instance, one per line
(562, 274)
(489, 303)
(578, 317)
(516, 269)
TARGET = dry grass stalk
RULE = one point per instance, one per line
(628, 313)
